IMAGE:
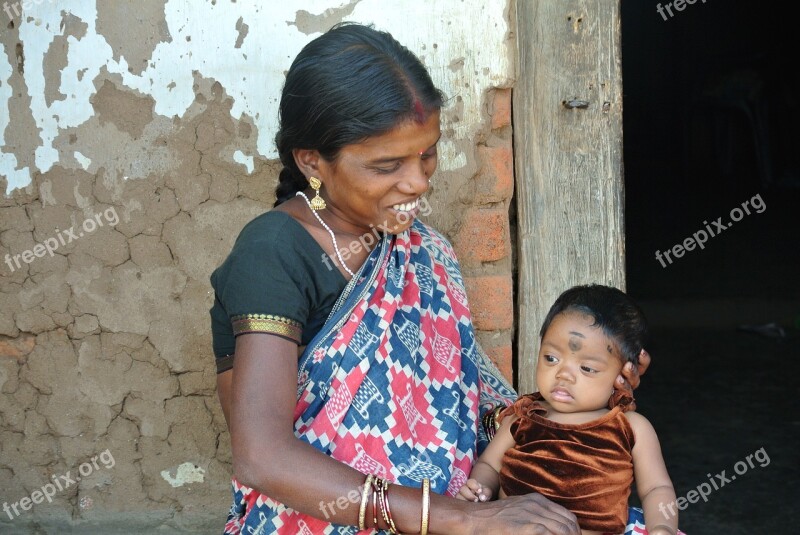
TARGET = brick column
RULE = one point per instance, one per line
(483, 241)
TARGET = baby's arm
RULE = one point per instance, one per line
(652, 480)
(484, 481)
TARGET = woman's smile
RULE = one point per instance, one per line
(379, 182)
(407, 206)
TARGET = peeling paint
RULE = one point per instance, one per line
(310, 23)
(165, 112)
(247, 161)
(157, 51)
(16, 176)
(83, 160)
(133, 30)
(451, 158)
(242, 28)
(184, 474)
(55, 60)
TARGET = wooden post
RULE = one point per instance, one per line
(567, 111)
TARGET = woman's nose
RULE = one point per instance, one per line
(417, 181)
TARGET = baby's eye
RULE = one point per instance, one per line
(587, 369)
(550, 359)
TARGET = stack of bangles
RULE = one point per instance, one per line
(490, 423)
(380, 505)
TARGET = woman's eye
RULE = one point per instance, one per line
(428, 155)
(387, 170)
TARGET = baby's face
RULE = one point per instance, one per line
(577, 364)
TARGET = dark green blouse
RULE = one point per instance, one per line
(276, 280)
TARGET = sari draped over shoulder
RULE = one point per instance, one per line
(394, 384)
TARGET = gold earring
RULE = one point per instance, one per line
(317, 203)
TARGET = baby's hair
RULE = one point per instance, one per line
(612, 310)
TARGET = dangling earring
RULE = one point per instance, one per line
(317, 203)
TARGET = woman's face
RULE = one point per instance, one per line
(379, 182)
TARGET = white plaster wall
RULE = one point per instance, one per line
(463, 43)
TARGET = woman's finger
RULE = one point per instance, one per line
(631, 374)
(561, 514)
(623, 387)
(644, 361)
(549, 517)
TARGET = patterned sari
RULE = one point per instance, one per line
(394, 384)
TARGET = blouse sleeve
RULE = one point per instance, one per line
(263, 287)
(260, 296)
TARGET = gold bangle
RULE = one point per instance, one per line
(392, 525)
(362, 512)
(426, 506)
(375, 486)
(489, 422)
(382, 488)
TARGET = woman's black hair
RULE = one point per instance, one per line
(613, 312)
(351, 83)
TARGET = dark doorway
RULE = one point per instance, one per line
(711, 112)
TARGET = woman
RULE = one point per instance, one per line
(389, 381)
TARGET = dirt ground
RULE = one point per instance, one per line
(715, 393)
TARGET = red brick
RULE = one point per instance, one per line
(484, 236)
(501, 357)
(496, 181)
(490, 301)
(501, 108)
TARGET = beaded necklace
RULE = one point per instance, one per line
(326, 227)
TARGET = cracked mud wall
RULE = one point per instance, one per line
(136, 143)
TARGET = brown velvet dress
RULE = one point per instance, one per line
(586, 468)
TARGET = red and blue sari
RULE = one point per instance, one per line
(393, 385)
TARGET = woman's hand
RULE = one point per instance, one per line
(629, 379)
(532, 514)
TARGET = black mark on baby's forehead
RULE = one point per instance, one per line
(574, 344)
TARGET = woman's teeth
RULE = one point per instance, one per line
(407, 207)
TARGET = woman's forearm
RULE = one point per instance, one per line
(305, 479)
(269, 458)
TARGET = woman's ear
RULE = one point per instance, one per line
(307, 161)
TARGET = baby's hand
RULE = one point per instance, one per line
(472, 491)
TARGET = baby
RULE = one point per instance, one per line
(563, 441)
